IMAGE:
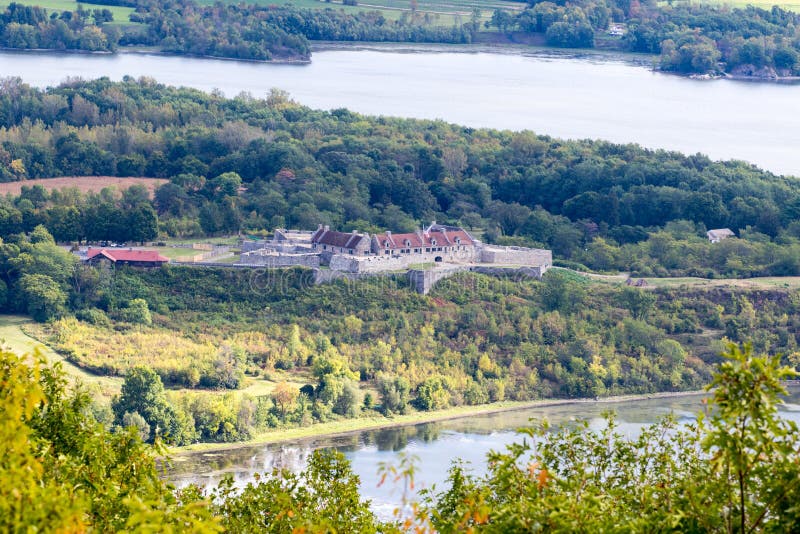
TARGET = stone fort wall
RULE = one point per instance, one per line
(371, 264)
(274, 261)
(533, 257)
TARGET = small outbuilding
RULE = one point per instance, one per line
(132, 257)
(715, 236)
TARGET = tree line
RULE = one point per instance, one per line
(239, 31)
(31, 27)
(689, 38)
(252, 165)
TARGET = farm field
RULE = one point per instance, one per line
(83, 183)
(121, 14)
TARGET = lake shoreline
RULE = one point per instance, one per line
(149, 51)
(647, 61)
(355, 426)
(638, 59)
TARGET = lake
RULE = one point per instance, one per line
(435, 445)
(559, 94)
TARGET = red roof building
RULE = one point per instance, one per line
(126, 256)
(435, 238)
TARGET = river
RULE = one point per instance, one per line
(559, 94)
(434, 445)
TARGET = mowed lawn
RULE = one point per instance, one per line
(121, 14)
(13, 338)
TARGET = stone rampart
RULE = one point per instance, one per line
(274, 261)
(377, 263)
(422, 280)
(533, 257)
(369, 264)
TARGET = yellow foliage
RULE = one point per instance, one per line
(114, 352)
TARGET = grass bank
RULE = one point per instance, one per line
(121, 13)
(351, 426)
(13, 338)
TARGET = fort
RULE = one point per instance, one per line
(427, 255)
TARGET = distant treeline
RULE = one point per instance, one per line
(689, 38)
(247, 164)
(235, 31)
(28, 27)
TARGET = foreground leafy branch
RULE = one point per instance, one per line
(736, 470)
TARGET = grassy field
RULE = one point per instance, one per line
(16, 340)
(177, 253)
(440, 12)
(121, 14)
(771, 282)
(83, 183)
(791, 5)
(766, 282)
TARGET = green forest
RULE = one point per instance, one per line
(690, 38)
(250, 165)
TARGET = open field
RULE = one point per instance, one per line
(16, 340)
(441, 12)
(765, 282)
(83, 183)
(769, 282)
(121, 14)
(177, 253)
(791, 5)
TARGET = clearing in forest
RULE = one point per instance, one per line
(83, 183)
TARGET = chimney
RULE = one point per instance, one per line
(327, 227)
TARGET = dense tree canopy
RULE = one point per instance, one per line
(246, 164)
(690, 38)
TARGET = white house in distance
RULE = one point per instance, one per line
(715, 236)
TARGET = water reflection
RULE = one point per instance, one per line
(436, 445)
